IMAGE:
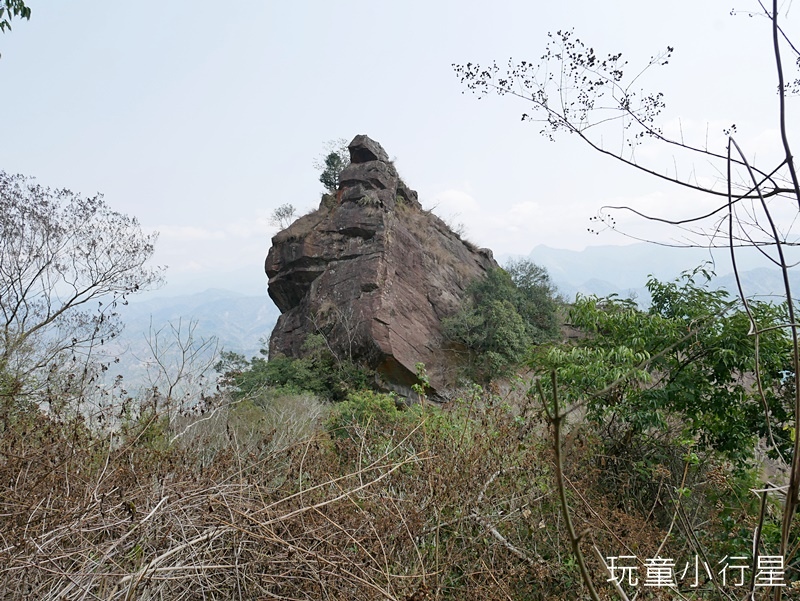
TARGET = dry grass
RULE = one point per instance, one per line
(395, 505)
(97, 518)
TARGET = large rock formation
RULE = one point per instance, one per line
(373, 273)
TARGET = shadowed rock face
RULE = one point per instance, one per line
(373, 273)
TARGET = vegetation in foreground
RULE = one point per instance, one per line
(364, 503)
(294, 480)
(269, 491)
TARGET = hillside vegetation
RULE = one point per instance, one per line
(425, 425)
(266, 489)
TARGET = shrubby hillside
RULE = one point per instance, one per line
(573, 435)
(424, 423)
(297, 479)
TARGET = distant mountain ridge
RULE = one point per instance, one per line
(240, 323)
(624, 270)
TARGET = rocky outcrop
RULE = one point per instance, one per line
(373, 273)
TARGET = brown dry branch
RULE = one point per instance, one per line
(428, 504)
(556, 418)
(143, 523)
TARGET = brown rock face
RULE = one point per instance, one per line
(373, 273)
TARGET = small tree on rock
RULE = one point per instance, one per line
(283, 216)
(332, 162)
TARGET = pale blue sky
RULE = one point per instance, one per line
(200, 118)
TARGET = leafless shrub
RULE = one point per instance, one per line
(283, 216)
(118, 519)
(179, 366)
(66, 262)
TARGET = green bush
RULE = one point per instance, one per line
(689, 360)
(364, 408)
(502, 316)
(318, 373)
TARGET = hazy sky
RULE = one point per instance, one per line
(200, 118)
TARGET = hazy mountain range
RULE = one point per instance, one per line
(238, 321)
(230, 320)
(624, 270)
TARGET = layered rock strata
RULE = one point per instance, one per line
(373, 274)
